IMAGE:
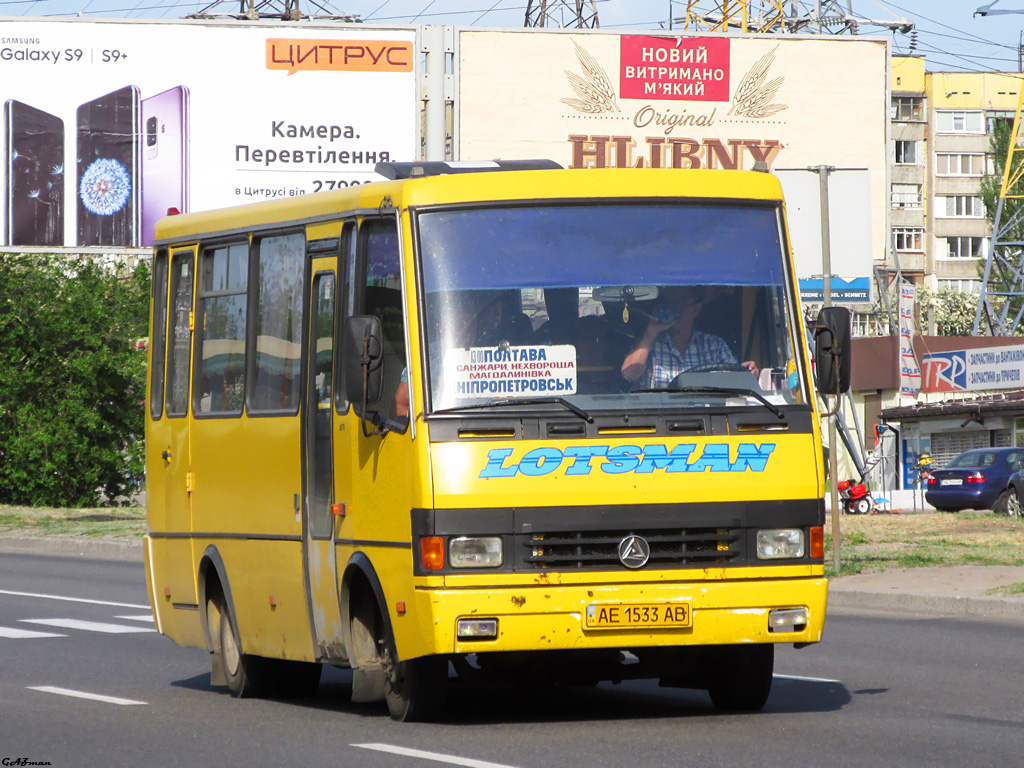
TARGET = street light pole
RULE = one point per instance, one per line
(826, 267)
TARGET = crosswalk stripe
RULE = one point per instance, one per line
(89, 626)
(84, 695)
(25, 634)
(148, 617)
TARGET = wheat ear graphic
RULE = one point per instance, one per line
(753, 94)
(594, 90)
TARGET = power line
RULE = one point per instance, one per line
(496, 4)
(376, 9)
(422, 12)
(939, 23)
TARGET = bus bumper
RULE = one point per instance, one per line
(542, 618)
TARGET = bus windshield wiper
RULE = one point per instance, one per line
(523, 401)
(718, 391)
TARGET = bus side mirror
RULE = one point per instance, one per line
(832, 350)
(363, 359)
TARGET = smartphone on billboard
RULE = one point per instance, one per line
(164, 157)
(108, 169)
(34, 192)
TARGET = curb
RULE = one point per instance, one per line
(961, 607)
(125, 551)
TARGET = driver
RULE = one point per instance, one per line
(669, 348)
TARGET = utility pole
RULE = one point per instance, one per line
(823, 172)
(581, 14)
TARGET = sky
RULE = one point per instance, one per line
(947, 32)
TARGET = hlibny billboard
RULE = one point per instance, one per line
(595, 100)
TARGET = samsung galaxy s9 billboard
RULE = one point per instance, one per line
(109, 126)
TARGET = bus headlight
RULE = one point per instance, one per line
(780, 544)
(475, 552)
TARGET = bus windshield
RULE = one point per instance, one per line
(622, 305)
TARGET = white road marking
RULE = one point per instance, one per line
(437, 756)
(89, 626)
(25, 634)
(806, 679)
(148, 617)
(74, 599)
(84, 695)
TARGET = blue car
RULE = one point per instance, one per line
(976, 479)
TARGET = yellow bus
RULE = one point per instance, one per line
(484, 419)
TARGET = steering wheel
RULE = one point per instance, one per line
(708, 367)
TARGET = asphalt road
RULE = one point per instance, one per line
(881, 690)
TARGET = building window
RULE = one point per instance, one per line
(906, 152)
(965, 247)
(870, 324)
(906, 195)
(905, 108)
(908, 239)
(994, 117)
(960, 121)
(965, 285)
(959, 164)
(960, 207)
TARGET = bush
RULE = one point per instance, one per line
(72, 380)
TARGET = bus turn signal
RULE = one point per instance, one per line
(432, 553)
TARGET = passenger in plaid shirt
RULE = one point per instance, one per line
(667, 349)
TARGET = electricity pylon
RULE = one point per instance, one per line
(1002, 286)
(831, 17)
(562, 13)
(1003, 283)
(286, 10)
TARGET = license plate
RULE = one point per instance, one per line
(956, 481)
(635, 615)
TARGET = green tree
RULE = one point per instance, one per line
(72, 380)
(954, 312)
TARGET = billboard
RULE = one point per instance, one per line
(611, 100)
(972, 370)
(108, 126)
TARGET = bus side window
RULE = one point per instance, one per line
(181, 334)
(382, 296)
(346, 301)
(220, 363)
(278, 324)
(159, 335)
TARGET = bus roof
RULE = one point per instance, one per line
(497, 186)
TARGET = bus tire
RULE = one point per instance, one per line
(742, 678)
(415, 689)
(237, 666)
(255, 676)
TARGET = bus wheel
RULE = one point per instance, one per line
(251, 676)
(742, 678)
(415, 689)
(235, 662)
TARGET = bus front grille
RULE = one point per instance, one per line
(672, 547)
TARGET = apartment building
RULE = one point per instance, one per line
(908, 157)
(940, 145)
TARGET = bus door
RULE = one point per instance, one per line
(172, 437)
(318, 433)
